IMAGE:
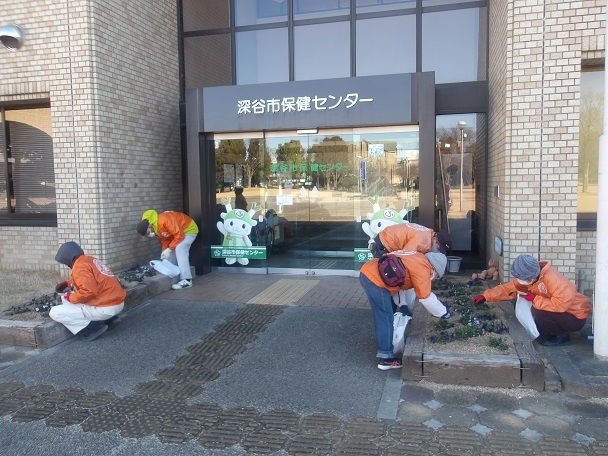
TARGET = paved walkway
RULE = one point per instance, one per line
(221, 369)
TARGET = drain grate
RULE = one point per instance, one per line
(284, 291)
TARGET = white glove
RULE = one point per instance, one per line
(434, 305)
(166, 254)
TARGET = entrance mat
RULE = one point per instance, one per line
(284, 291)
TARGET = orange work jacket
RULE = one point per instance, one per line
(94, 284)
(554, 293)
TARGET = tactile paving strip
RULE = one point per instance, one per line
(196, 374)
(66, 398)
(415, 434)
(356, 446)
(8, 406)
(279, 419)
(104, 421)
(284, 291)
(310, 444)
(68, 417)
(264, 441)
(171, 389)
(32, 394)
(220, 436)
(221, 347)
(141, 425)
(203, 413)
(34, 412)
(179, 431)
(6, 389)
(365, 428)
(96, 400)
(321, 423)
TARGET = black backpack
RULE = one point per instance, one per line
(391, 270)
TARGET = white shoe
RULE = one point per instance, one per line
(182, 284)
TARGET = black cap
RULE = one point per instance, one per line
(142, 227)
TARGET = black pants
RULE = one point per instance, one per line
(556, 323)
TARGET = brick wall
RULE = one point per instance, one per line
(497, 120)
(538, 161)
(110, 71)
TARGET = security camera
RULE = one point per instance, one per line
(11, 36)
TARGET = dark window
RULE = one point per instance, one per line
(207, 61)
(27, 175)
(205, 15)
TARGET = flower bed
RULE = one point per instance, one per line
(480, 329)
(38, 308)
(478, 346)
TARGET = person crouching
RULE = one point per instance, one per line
(94, 296)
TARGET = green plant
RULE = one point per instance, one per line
(466, 332)
(468, 320)
(498, 343)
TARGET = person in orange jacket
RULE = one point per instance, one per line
(93, 296)
(420, 270)
(176, 232)
(557, 308)
(409, 237)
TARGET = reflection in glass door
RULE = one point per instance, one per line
(319, 196)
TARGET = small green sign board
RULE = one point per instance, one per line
(363, 255)
(253, 253)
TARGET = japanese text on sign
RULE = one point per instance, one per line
(299, 104)
(303, 167)
(219, 251)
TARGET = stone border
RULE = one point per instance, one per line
(43, 335)
(526, 369)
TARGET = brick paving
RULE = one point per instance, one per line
(431, 419)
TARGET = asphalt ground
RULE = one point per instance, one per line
(214, 371)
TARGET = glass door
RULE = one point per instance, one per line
(314, 198)
(315, 177)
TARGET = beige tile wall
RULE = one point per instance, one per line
(537, 165)
(497, 120)
(110, 71)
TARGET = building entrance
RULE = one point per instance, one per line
(315, 197)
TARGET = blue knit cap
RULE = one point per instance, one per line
(525, 267)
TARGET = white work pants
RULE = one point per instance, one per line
(181, 257)
(76, 317)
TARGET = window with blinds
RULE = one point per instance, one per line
(27, 181)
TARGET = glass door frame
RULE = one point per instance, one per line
(266, 268)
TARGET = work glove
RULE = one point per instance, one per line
(166, 254)
(529, 296)
(61, 286)
(67, 296)
(479, 299)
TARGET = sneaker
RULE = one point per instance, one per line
(447, 314)
(182, 284)
(110, 321)
(94, 331)
(554, 341)
(389, 363)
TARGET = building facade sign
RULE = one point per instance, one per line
(340, 102)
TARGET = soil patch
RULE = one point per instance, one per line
(28, 295)
(472, 329)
